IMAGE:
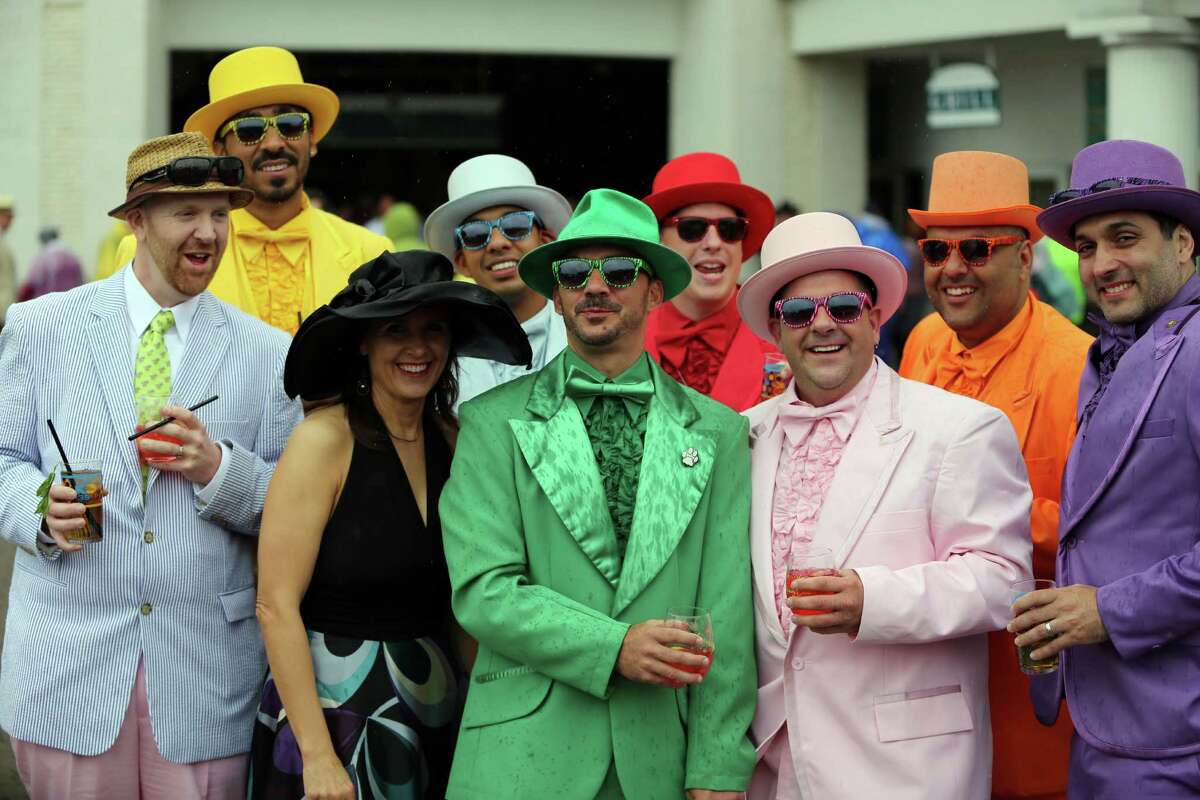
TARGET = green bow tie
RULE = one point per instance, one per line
(581, 384)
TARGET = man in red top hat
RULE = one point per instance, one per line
(707, 215)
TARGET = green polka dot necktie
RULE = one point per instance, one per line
(152, 368)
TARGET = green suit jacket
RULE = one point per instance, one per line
(537, 580)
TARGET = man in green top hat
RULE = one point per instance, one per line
(586, 500)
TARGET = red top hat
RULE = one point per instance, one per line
(711, 178)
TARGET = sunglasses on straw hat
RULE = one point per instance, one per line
(251, 130)
(974, 251)
(196, 171)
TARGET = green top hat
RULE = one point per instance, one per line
(606, 216)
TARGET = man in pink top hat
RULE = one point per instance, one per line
(707, 215)
(909, 508)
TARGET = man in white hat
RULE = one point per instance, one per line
(285, 258)
(496, 213)
(907, 505)
(8, 263)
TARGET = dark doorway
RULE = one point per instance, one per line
(408, 119)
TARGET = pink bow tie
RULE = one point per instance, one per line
(800, 419)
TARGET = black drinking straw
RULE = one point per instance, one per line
(87, 512)
(168, 420)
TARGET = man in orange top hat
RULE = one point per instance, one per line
(285, 257)
(707, 215)
(991, 339)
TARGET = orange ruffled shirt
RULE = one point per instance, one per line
(1030, 370)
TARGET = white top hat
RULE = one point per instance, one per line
(811, 243)
(491, 180)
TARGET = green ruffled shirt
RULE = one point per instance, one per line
(616, 427)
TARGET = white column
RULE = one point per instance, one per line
(1153, 82)
(795, 127)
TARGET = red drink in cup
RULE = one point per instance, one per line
(807, 561)
(149, 412)
(699, 622)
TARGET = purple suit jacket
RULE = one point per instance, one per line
(1130, 524)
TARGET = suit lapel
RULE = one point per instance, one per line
(203, 353)
(875, 447)
(112, 363)
(1141, 371)
(556, 447)
(766, 443)
(669, 488)
(739, 381)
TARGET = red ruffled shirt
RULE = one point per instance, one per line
(692, 351)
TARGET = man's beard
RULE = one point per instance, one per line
(626, 322)
(278, 190)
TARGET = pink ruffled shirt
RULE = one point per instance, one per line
(814, 439)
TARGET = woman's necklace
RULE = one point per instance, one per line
(404, 438)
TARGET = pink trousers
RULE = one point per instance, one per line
(131, 769)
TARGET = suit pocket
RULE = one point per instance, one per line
(1157, 428)
(917, 714)
(232, 430)
(41, 570)
(238, 604)
(504, 695)
(893, 521)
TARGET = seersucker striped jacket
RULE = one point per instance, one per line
(171, 582)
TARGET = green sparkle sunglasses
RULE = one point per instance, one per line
(252, 130)
(618, 272)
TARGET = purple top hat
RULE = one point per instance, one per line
(1162, 188)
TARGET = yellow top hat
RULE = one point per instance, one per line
(261, 76)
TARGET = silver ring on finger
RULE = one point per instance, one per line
(180, 453)
(1049, 626)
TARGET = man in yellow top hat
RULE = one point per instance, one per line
(993, 340)
(285, 257)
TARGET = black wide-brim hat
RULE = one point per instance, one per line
(324, 356)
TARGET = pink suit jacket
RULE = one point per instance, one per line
(930, 506)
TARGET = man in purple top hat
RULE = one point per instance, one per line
(1126, 619)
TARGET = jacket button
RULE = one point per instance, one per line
(145, 609)
(797, 663)
(148, 537)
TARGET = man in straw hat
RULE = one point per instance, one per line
(1125, 619)
(909, 508)
(132, 664)
(991, 339)
(586, 501)
(495, 214)
(285, 257)
(707, 215)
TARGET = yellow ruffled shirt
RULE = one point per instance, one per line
(275, 262)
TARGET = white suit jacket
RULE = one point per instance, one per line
(76, 626)
(930, 505)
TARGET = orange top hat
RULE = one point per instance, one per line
(972, 188)
(261, 76)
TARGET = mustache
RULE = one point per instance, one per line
(277, 155)
(596, 303)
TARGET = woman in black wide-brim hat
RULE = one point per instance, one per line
(354, 597)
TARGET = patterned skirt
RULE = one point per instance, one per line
(392, 709)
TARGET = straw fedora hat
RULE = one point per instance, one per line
(972, 188)
(711, 178)
(1124, 158)
(491, 180)
(162, 151)
(261, 76)
(817, 242)
(606, 216)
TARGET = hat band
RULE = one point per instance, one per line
(1104, 185)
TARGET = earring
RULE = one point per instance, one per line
(363, 386)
